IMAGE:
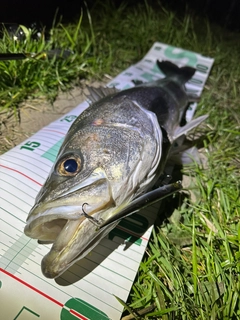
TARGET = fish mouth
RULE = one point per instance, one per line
(71, 230)
(67, 249)
(71, 239)
(47, 225)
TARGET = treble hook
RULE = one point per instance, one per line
(95, 221)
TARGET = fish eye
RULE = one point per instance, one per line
(69, 166)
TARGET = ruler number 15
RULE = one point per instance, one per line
(31, 145)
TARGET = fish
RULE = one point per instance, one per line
(110, 165)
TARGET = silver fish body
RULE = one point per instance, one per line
(113, 154)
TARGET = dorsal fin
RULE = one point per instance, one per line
(95, 94)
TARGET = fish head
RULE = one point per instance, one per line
(76, 185)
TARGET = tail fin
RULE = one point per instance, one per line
(182, 74)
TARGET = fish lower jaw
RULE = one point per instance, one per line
(50, 269)
(73, 244)
(58, 258)
(65, 250)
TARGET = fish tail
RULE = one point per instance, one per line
(170, 69)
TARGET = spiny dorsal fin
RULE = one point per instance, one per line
(95, 94)
(172, 70)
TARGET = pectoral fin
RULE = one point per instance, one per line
(142, 202)
(189, 126)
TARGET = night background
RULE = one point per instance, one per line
(225, 13)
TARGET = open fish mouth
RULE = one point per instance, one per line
(46, 225)
(59, 231)
(72, 238)
(67, 249)
(64, 223)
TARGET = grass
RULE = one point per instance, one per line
(38, 75)
(191, 269)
